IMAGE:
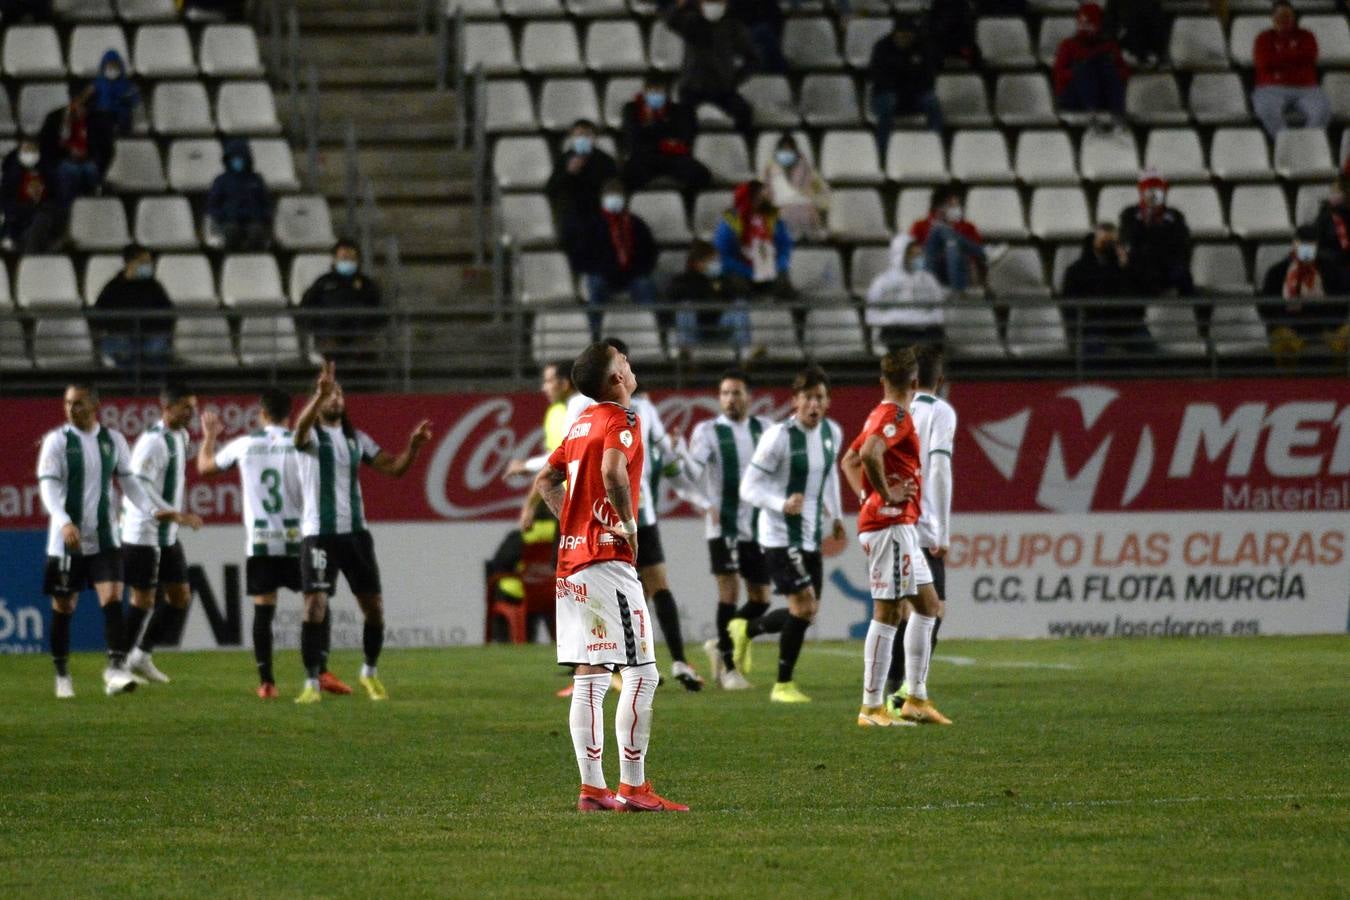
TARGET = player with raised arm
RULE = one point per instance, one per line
(935, 421)
(885, 460)
(719, 452)
(589, 484)
(269, 477)
(77, 464)
(793, 480)
(333, 531)
(151, 552)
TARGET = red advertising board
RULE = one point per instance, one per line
(1240, 445)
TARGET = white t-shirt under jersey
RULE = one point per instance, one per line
(269, 474)
(330, 482)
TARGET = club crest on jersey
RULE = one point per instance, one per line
(626, 438)
(598, 628)
(889, 430)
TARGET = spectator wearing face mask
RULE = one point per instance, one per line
(239, 204)
(701, 283)
(953, 249)
(658, 139)
(904, 301)
(754, 245)
(1156, 242)
(1089, 72)
(903, 72)
(116, 95)
(1099, 275)
(344, 287)
(142, 334)
(718, 55)
(764, 19)
(34, 220)
(578, 177)
(1299, 285)
(1333, 229)
(76, 142)
(616, 253)
(1285, 59)
(794, 186)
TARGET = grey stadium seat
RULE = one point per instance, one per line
(1154, 99)
(971, 331)
(1004, 42)
(273, 160)
(1109, 156)
(1054, 29)
(268, 340)
(36, 100)
(100, 269)
(916, 156)
(165, 223)
(147, 10)
(830, 100)
(771, 96)
(725, 155)
(303, 223)
(774, 330)
(564, 100)
(1018, 272)
(521, 162)
(164, 51)
(850, 157)
(550, 48)
(618, 91)
(1200, 205)
(708, 211)
(194, 163)
(981, 155)
(1220, 268)
(46, 281)
(1059, 213)
(560, 334)
(62, 343)
(1218, 98)
(205, 342)
(818, 273)
(1036, 330)
(1198, 43)
(1024, 99)
(306, 268)
(32, 51)
(860, 36)
(88, 43)
(136, 167)
(1176, 153)
(187, 279)
(663, 211)
(637, 328)
(856, 215)
(1303, 154)
(867, 263)
(963, 100)
(615, 46)
(1333, 39)
(527, 219)
(509, 107)
(544, 278)
(251, 279)
(1045, 157)
(247, 107)
(811, 43)
(181, 108)
(996, 212)
(230, 51)
(1240, 154)
(98, 223)
(489, 44)
(834, 332)
(1259, 211)
(1174, 330)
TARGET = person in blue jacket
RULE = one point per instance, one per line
(115, 94)
(240, 205)
(754, 245)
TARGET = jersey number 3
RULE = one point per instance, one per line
(271, 479)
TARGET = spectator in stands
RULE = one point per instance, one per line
(953, 249)
(12, 12)
(116, 95)
(213, 10)
(701, 282)
(951, 24)
(658, 139)
(1140, 27)
(615, 253)
(1099, 275)
(1156, 242)
(754, 245)
(1090, 73)
(903, 71)
(1300, 282)
(344, 287)
(718, 55)
(77, 145)
(34, 220)
(764, 19)
(1333, 229)
(578, 176)
(142, 336)
(903, 301)
(239, 204)
(794, 186)
(1285, 57)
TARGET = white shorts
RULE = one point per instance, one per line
(896, 565)
(602, 617)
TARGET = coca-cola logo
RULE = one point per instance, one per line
(472, 457)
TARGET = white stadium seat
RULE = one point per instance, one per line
(88, 43)
(1045, 157)
(550, 48)
(98, 223)
(268, 340)
(1004, 42)
(615, 46)
(194, 163)
(856, 215)
(147, 10)
(303, 223)
(708, 211)
(521, 162)
(100, 269)
(164, 51)
(1174, 330)
(725, 155)
(1240, 154)
(559, 334)
(247, 107)
(834, 333)
(1154, 99)
(527, 220)
(1036, 330)
(1218, 98)
(996, 212)
(509, 107)
(771, 97)
(1333, 39)
(1303, 154)
(1236, 330)
(663, 211)
(1054, 29)
(204, 342)
(1109, 155)
(774, 330)
(850, 157)
(1220, 268)
(83, 10)
(13, 345)
(1024, 99)
(963, 100)
(970, 330)
(1176, 153)
(564, 100)
(273, 160)
(811, 43)
(1059, 213)
(62, 343)
(32, 51)
(638, 329)
(230, 51)
(981, 155)
(306, 268)
(830, 101)
(916, 156)
(489, 44)
(1242, 38)
(1336, 85)
(818, 273)
(911, 205)
(251, 279)
(136, 167)
(1197, 43)
(181, 108)
(1200, 205)
(1259, 211)
(165, 223)
(187, 279)
(544, 278)
(589, 9)
(1113, 199)
(860, 36)
(1018, 272)
(618, 92)
(46, 281)
(1309, 201)
(665, 48)
(532, 9)
(867, 263)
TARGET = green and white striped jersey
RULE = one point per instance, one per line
(790, 459)
(330, 481)
(159, 460)
(659, 450)
(75, 473)
(721, 448)
(269, 475)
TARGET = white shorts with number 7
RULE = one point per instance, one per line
(602, 617)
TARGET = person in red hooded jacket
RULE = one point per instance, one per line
(1090, 73)
(1285, 57)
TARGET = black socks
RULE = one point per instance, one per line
(769, 623)
(61, 641)
(114, 634)
(135, 618)
(326, 638)
(725, 613)
(752, 611)
(668, 614)
(165, 622)
(262, 641)
(311, 647)
(372, 641)
(790, 646)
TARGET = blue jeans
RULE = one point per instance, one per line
(127, 351)
(76, 178)
(886, 105)
(1095, 86)
(732, 325)
(598, 291)
(947, 255)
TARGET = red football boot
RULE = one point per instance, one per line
(644, 799)
(267, 691)
(330, 683)
(594, 799)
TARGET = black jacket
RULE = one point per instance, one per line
(1328, 241)
(100, 138)
(595, 251)
(717, 55)
(1092, 278)
(639, 140)
(906, 73)
(1157, 251)
(579, 194)
(11, 179)
(132, 295)
(1273, 285)
(331, 291)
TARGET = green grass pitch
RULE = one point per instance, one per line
(1161, 768)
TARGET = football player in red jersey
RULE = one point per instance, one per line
(884, 462)
(591, 483)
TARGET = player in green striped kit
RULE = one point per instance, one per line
(719, 452)
(151, 551)
(794, 481)
(269, 477)
(76, 467)
(333, 525)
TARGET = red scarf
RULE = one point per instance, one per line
(1342, 233)
(1151, 215)
(31, 187)
(621, 236)
(754, 224)
(1302, 280)
(75, 134)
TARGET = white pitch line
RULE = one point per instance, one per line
(960, 660)
(1128, 801)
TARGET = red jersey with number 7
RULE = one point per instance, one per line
(585, 528)
(895, 426)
